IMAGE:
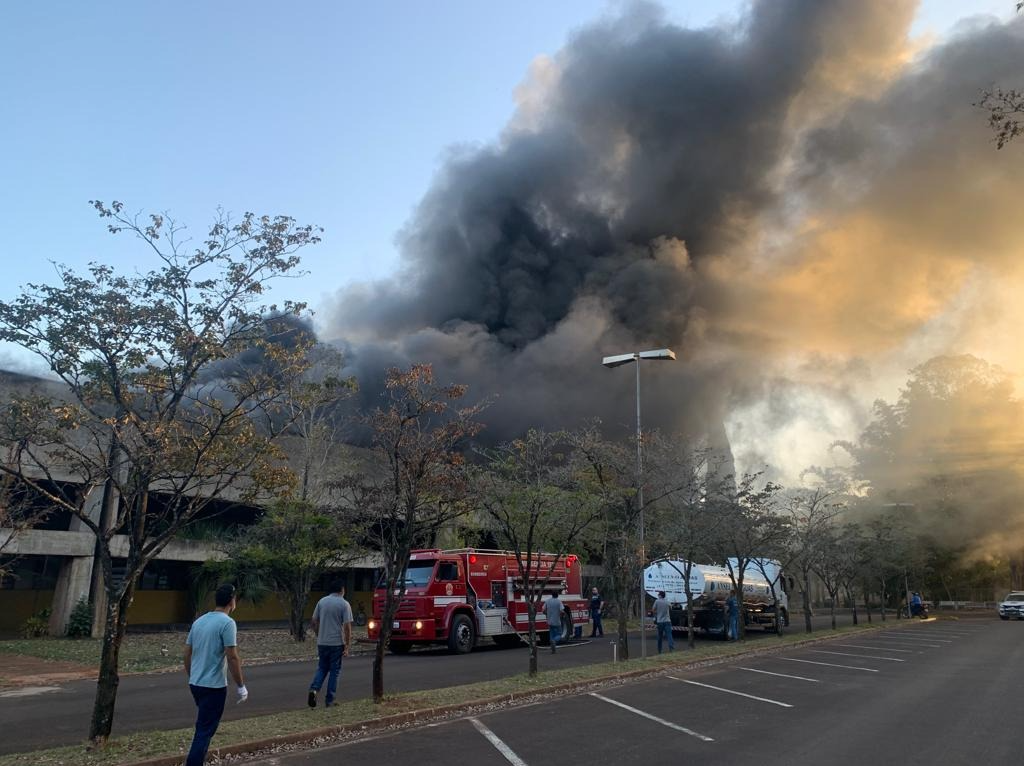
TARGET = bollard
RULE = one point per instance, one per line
(615, 651)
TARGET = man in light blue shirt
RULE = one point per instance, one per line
(553, 611)
(212, 643)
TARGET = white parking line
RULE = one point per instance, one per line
(858, 656)
(829, 664)
(889, 642)
(893, 637)
(780, 675)
(650, 717)
(883, 648)
(500, 746)
(731, 691)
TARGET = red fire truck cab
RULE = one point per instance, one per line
(457, 597)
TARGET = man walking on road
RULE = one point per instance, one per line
(212, 642)
(663, 621)
(596, 607)
(332, 620)
(553, 611)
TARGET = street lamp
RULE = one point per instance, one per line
(616, 361)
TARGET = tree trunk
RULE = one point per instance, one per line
(531, 615)
(850, 594)
(882, 607)
(106, 685)
(806, 590)
(623, 625)
(832, 598)
(297, 615)
(690, 636)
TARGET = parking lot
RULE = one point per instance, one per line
(935, 692)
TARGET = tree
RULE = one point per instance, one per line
(160, 411)
(946, 454)
(311, 410)
(419, 483)
(748, 528)
(534, 500)
(827, 565)
(1005, 109)
(810, 513)
(685, 527)
(611, 474)
(289, 548)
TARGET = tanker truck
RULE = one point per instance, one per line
(710, 586)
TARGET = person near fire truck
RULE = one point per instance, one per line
(553, 611)
(596, 607)
(332, 622)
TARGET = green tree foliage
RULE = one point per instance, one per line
(288, 549)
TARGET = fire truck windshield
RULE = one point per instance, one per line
(418, 573)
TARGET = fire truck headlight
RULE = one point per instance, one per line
(419, 625)
(372, 625)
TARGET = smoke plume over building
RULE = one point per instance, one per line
(803, 205)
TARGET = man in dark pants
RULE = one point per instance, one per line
(212, 640)
(332, 621)
(596, 607)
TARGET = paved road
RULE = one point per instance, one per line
(937, 692)
(162, 701)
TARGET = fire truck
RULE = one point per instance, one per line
(456, 597)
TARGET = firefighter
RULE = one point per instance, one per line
(596, 607)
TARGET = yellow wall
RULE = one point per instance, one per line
(153, 607)
(16, 606)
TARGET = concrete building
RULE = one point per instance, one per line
(52, 566)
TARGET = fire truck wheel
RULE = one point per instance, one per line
(462, 636)
(400, 648)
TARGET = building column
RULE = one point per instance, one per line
(72, 586)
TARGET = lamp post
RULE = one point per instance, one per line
(615, 361)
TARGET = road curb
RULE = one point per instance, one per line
(400, 719)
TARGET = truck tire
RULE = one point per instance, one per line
(462, 636)
(399, 648)
(567, 627)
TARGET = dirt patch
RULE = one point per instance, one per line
(22, 670)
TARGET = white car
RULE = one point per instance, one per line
(1012, 606)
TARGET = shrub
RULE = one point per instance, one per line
(37, 626)
(80, 621)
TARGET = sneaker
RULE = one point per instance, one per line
(312, 698)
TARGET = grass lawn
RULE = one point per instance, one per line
(146, 651)
(149, 744)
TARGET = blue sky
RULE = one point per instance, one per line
(337, 113)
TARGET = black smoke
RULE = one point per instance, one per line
(626, 207)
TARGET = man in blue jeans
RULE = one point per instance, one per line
(732, 608)
(332, 621)
(553, 611)
(212, 643)
(661, 611)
